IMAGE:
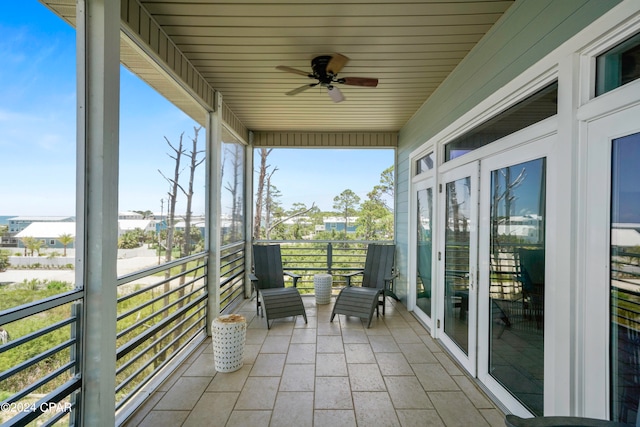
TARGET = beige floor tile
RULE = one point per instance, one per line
(143, 410)
(383, 344)
(203, 366)
(359, 353)
(448, 364)
(256, 336)
(298, 378)
(249, 418)
(212, 410)
(282, 326)
(456, 410)
(334, 418)
(304, 336)
(494, 417)
(393, 364)
(276, 344)
(354, 336)
(230, 381)
(431, 344)
(365, 377)
(472, 391)
(293, 409)
(164, 418)
(417, 353)
(184, 394)
(374, 409)
(434, 377)
(419, 418)
(259, 393)
(378, 327)
(405, 336)
(333, 393)
(251, 352)
(301, 353)
(330, 344)
(312, 322)
(325, 327)
(268, 365)
(331, 365)
(407, 393)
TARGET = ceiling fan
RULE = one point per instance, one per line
(325, 69)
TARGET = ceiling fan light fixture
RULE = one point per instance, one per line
(335, 94)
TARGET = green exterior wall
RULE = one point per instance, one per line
(528, 31)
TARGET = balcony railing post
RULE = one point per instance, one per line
(329, 257)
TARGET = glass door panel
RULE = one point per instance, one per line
(517, 280)
(459, 193)
(625, 279)
(424, 242)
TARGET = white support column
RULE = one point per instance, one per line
(214, 170)
(248, 215)
(98, 69)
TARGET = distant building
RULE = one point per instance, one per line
(127, 225)
(338, 224)
(19, 223)
(48, 233)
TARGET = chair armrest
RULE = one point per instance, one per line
(348, 276)
(253, 277)
(294, 276)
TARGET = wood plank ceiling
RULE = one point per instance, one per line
(409, 45)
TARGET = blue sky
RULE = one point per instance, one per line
(37, 132)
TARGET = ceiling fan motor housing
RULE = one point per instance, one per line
(319, 67)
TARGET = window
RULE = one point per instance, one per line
(424, 164)
(537, 107)
(618, 66)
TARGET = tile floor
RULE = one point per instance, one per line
(320, 374)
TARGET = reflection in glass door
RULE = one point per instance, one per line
(625, 279)
(459, 262)
(517, 280)
(424, 242)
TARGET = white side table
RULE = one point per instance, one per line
(229, 333)
(322, 284)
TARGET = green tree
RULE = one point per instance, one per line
(4, 260)
(65, 240)
(375, 220)
(385, 191)
(346, 205)
(32, 245)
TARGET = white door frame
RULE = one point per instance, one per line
(468, 360)
(539, 148)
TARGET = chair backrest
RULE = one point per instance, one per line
(378, 265)
(267, 265)
(531, 266)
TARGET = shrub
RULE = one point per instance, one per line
(4, 260)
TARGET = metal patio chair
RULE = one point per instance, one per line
(377, 279)
(268, 281)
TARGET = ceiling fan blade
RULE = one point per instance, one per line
(301, 89)
(293, 70)
(359, 81)
(335, 94)
(336, 63)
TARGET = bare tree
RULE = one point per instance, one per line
(262, 176)
(173, 196)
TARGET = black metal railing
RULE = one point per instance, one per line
(39, 368)
(310, 257)
(160, 311)
(232, 275)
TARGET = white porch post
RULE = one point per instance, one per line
(98, 36)
(248, 222)
(214, 147)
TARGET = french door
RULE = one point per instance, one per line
(457, 262)
(424, 244)
(512, 273)
(612, 290)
